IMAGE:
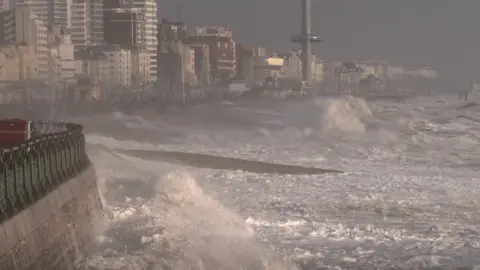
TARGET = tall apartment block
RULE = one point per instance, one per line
(96, 23)
(87, 23)
(132, 22)
(60, 13)
(20, 25)
(83, 17)
(7, 25)
(32, 31)
(40, 8)
(50, 12)
(81, 20)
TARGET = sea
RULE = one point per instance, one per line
(407, 196)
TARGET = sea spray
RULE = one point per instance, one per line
(171, 223)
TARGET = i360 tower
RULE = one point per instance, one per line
(306, 38)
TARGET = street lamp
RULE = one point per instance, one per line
(182, 67)
(28, 86)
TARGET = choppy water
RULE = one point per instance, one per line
(409, 197)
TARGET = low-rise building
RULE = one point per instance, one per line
(9, 64)
(91, 63)
(202, 64)
(317, 71)
(188, 59)
(170, 38)
(18, 62)
(18, 72)
(329, 70)
(348, 76)
(222, 51)
(85, 92)
(369, 70)
(351, 73)
(120, 65)
(267, 70)
(293, 66)
(259, 51)
(140, 65)
(62, 55)
(245, 64)
(427, 72)
(255, 68)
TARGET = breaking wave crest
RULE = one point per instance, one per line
(344, 114)
(410, 206)
(162, 219)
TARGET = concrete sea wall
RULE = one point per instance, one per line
(49, 202)
(55, 230)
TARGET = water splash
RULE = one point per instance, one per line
(344, 114)
(163, 218)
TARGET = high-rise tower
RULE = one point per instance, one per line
(306, 38)
(143, 17)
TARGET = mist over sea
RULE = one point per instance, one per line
(408, 197)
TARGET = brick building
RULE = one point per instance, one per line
(222, 51)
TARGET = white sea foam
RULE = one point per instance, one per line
(404, 201)
(168, 221)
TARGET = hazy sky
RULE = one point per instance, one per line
(444, 34)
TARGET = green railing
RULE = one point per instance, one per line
(30, 171)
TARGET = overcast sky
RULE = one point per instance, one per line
(444, 34)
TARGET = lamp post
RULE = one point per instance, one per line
(28, 85)
(182, 67)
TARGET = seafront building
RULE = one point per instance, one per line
(292, 67)
(29, 29)
(222, 51)
(138, 21)
(87, 23)
(91, 37)
(61, 55)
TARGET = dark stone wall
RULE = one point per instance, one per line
(55, 230)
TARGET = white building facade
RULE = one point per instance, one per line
(188, 59)
(62, 13)
(120, 65)
(30, 29)
(427, 72)
(87, 23)
(81, 32)
(140, 66)
(96, 23)
(318, 71)
(292, 67)
(65, 57)
(147, 32)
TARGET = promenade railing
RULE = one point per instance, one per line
(31, 170)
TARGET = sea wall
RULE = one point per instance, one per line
(49, 202)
